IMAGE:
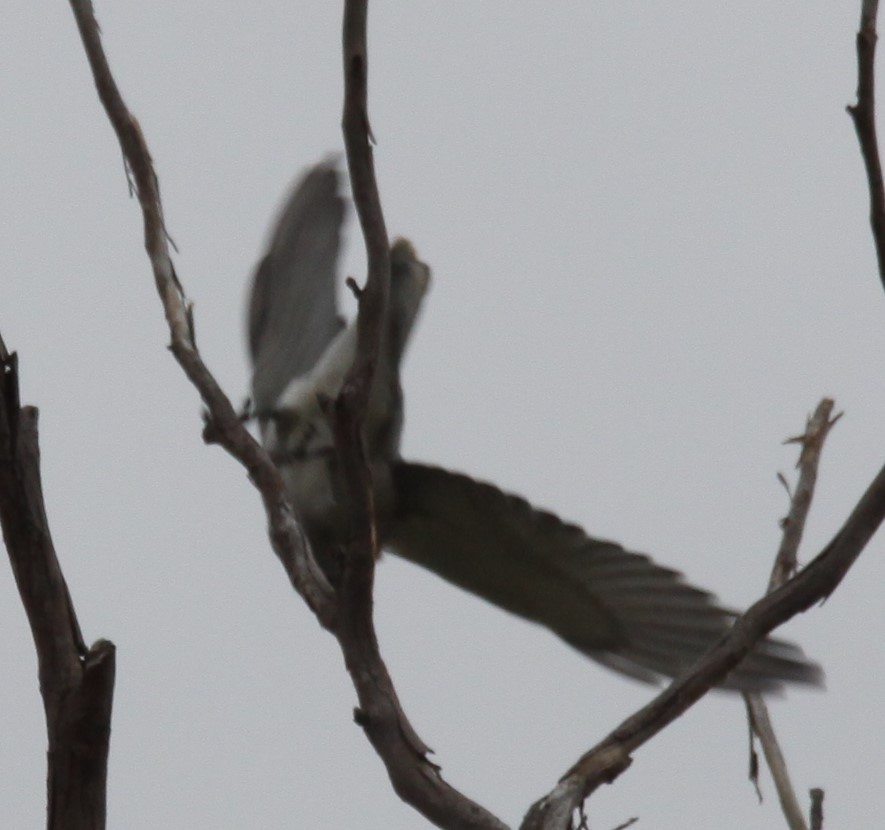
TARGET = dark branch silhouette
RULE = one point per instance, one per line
(863, 113)
(76, 682)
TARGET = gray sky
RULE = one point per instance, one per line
(648, 230)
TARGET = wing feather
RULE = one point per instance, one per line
(293, 312)
(617, 607)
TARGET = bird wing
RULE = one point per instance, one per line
(293, 314)
(617, 607)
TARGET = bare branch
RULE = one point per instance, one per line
(611, 756)
(863, 113)
(373, 297)
(413, 776)
(225, 427)
(763, 728)
(812, 441)
(76, 683)
(816, 430)
(415, 779)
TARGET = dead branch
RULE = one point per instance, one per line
(414, 778)
(611, 756)
(863, 113)
(816, 430)
(225, 426)
(812, 441)
(76, 682)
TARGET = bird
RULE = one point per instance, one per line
(615, 606)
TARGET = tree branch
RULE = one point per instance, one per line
(864, 116)
(414, 778)
(812, 442)
(224, 425)
(76, 683)
(816, 430)
(611, 756)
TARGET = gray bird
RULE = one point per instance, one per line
(617, 607)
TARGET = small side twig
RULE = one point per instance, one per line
(793, 524)
(812, 440)
(76, 682)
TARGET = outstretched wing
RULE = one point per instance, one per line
(617, 607)
(293, 314)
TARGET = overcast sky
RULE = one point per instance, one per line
(647, 225)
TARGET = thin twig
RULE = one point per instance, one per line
(225, 427)
(793, 524)
(611, 756)
(816, 430)
(76, 682)
(863, 113)
(762, 727)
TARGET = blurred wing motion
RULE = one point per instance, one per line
(614, 606)
(293, 314)
(617, 607)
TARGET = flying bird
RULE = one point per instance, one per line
(617, 607)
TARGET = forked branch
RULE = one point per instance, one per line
(415, 779)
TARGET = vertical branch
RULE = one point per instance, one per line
(812, 441)
(352, 402)
(863, 113)
(76, 683)
(414, 778)
(358, 141)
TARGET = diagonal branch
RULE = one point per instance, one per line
(611, 756)
(224, 425)
(76, 682)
